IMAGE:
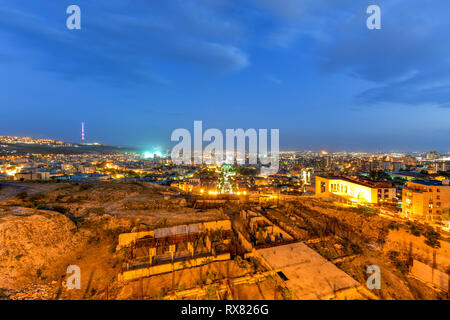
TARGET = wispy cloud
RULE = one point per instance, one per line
(149, 41)
(407, 60)
(273, 79)
(128, 47)
(404, 60)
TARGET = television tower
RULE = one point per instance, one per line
(82, 132)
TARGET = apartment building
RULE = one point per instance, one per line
(426, 200)
(356, 189)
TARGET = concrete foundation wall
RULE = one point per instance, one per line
(429, 275)
(169, 267)
(127, 238)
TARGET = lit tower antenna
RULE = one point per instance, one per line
(82, 132)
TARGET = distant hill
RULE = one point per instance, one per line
(24, 148)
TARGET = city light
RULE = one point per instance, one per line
(12, 172)
(151, 155)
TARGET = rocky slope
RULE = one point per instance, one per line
(33, 244)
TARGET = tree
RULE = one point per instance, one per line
(245, 171)
(205, 172)
(379, 175)
(432, 238)
(22, 195)
(226, 182)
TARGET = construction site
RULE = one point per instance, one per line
(141, 241)
(246, 254)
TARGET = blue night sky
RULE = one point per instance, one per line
(138, 69)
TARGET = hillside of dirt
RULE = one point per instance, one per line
(31, 240)
(45, 227)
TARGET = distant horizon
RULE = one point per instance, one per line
(282, 149)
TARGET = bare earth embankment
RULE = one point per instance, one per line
(46, 227)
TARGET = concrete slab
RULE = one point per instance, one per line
(309, 275)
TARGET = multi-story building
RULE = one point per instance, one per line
(432, 155)
(426, 200)
(396, 166)
(32, 176)
(439, 166)
(361, 190)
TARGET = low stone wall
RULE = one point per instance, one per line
(400, 241)
(244, 242)
(429, 275)
(127, 238)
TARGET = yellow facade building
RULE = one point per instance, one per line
(360, 190)
(427, 200)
